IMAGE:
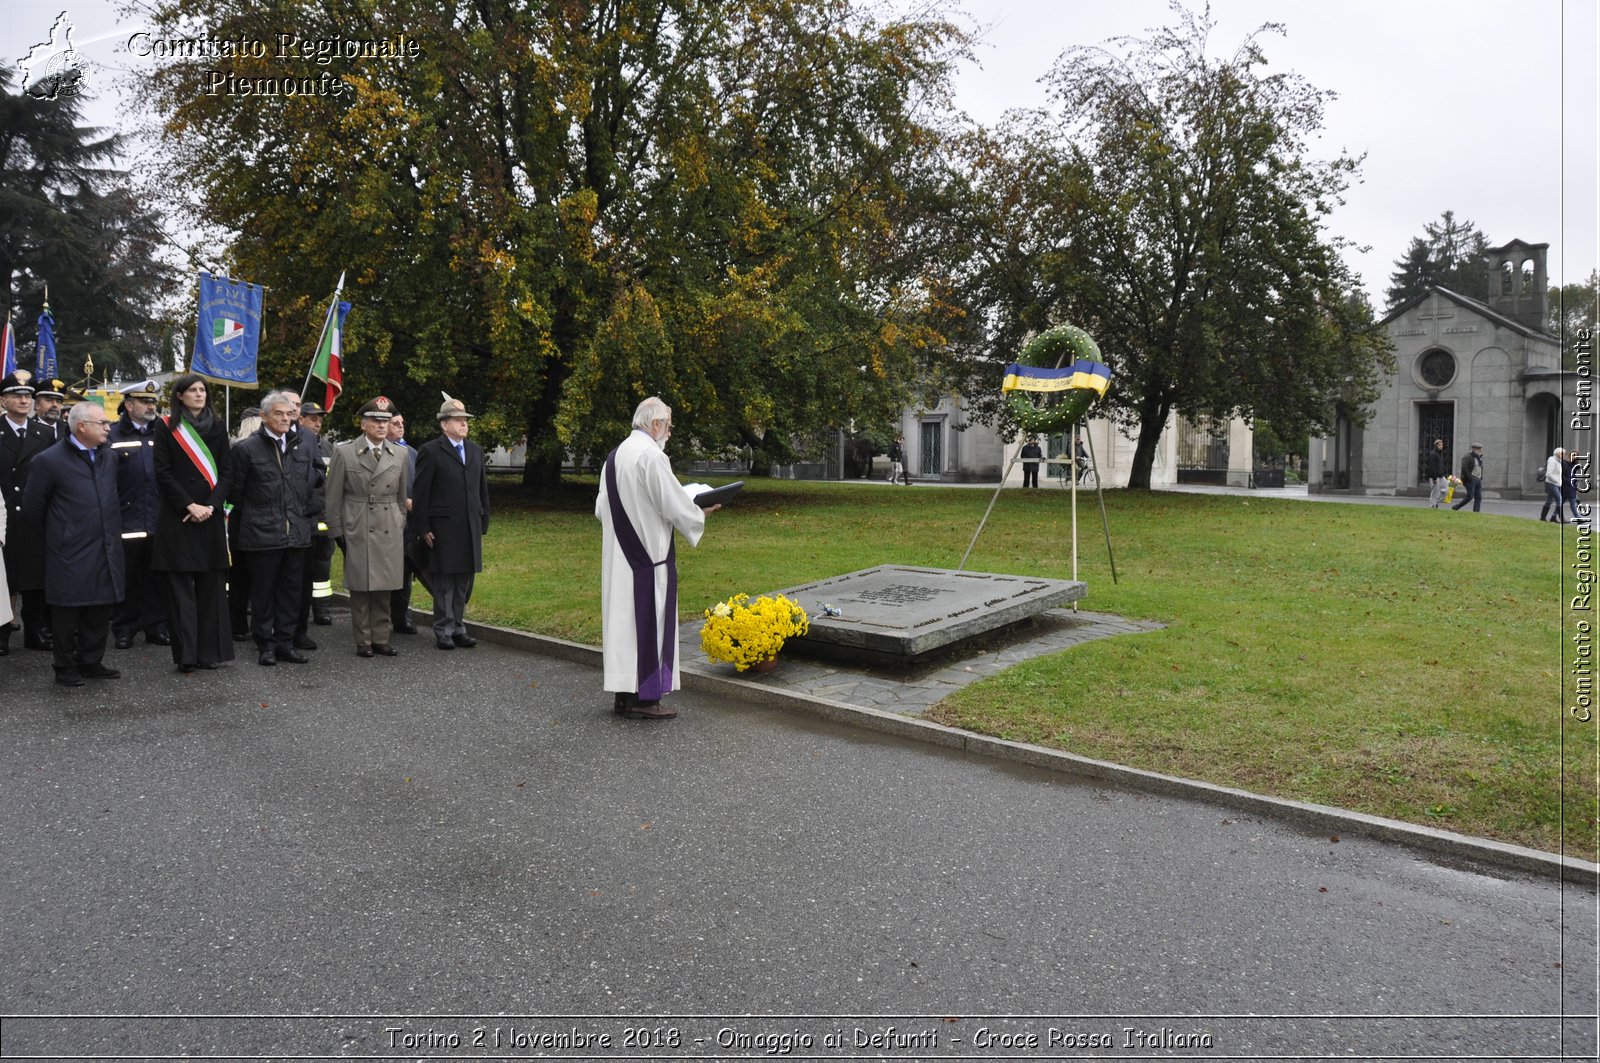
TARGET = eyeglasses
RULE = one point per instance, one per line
(96, 424)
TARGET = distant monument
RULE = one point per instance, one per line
(899, 615)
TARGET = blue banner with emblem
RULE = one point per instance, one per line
(227, 331)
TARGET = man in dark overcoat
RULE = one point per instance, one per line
(133, 443)
(71, 501)
(449, 514)
(21, 441)
(274, 491)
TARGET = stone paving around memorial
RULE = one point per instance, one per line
(915, 690)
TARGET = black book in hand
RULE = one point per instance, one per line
(721, 496)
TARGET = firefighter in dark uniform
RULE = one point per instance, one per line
(318, 582)
(22, 440)
(133, 441)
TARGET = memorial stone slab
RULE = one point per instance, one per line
(902, 614)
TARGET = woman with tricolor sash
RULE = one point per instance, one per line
(191, 547)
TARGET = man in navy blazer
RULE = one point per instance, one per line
(72, 501)
(450, 513)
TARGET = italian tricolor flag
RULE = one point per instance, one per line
(328, 365)
(225, 328)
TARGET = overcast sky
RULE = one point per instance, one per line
(1484, 107)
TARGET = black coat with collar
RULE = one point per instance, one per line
(73, 505)
(135, 452)
(184, 545)
(24, 548)
(275, 492)
(451, 500)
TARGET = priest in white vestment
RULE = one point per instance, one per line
(640, 504)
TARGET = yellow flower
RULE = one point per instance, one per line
(743, 632)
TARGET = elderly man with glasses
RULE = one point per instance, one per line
(72, 501)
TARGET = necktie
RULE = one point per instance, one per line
(91, 457)
(461, 452)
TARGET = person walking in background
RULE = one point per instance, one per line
(368, 485)
(639, 505)
(72, 500)
(273, 488)
(897, 461)
(400, 600)
(1437, 470)
(1472, 479)
(190, 552)
(449, 514)
(1555, 474)
(133, 444)
(1032, 455)
(21, 441)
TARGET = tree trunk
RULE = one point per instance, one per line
(1152, 422)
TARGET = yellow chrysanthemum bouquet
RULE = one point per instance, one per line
(744, 632)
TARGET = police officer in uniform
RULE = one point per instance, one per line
(133, 441)
(47, 407)
(22, 440)
(318, 585)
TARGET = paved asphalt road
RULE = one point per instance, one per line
(474, 834)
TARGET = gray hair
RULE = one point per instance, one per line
(650, 411)
(278, 398)
(82, 412)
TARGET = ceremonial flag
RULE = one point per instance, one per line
(45, 353)
(8, 350)
(327, 365)
(1080, 375)
(227, 331)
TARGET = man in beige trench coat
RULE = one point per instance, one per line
(368, 484)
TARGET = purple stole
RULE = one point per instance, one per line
(654, 661)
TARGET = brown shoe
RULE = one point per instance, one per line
(650, 710)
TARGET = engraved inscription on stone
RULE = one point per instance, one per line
(901, 594)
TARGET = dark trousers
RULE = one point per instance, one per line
(1474, 489)
(274, 595)
(197, 617)
(35, 614)
(400, 600)
(319, 569)
(1030, 474)
(239, 594)
(80, 634)
(450, 594)
(145, 607)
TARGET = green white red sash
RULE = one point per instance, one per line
(190, 443)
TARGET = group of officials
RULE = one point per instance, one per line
(126, 525)
(122, 527)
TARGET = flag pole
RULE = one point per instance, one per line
(333, 308)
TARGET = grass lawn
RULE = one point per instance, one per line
(1404, 662)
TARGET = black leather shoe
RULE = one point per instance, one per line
(35, 641)
(445, 644)
(466, 642)
(186, 669)
(363, 651)
(383, 649)
(304, 642)
(293, 656)
(241, 636)
(68, 678)
(322, 619)
(157, 638)
(405, 627)
(210, 666)
(267, 658)
(98, 671)
(124, 642)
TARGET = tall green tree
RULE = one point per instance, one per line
(1573, 308)
(1166, 202)
(71, 220)
(556, 209)
(1450, 253)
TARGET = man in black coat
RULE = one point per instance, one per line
(449, 514)
(1437, 470)
(71, 501)
(21, 441)
(273, 488)
(133, 443)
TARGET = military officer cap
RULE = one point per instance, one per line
(311, 409)
(50, 389)
(144, 389)
(379, 409)
(70, 398)
(17, 383)
(452, 408)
